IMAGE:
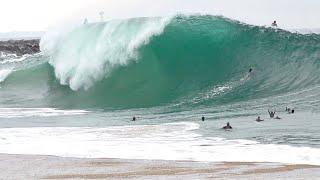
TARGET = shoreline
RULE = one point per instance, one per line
(53, 167)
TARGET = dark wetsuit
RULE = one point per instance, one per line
(227, 126)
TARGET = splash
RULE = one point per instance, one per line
(4, 74)
(90, 52)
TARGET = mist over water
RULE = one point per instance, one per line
(169, 72)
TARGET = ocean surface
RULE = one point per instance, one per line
(77, 97)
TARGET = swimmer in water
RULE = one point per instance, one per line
(134, 118)
(274, 24)
(203, 118)
(277, 117)
(247, 76)
(290, 111)
(227, 126)
(259, 119)
(271, 113)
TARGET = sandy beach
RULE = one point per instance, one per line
(51, 167)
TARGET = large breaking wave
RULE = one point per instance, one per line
(145, 62)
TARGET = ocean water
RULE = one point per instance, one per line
(77, 97)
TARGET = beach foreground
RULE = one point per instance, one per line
(51, 167)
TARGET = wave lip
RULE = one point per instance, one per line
(88, 53)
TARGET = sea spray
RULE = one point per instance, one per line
(4, 73)
(88, 53)
(146, 62)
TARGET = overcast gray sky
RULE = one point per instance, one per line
(33, 15)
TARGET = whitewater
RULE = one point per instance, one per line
(76, 98)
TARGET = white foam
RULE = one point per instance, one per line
(4, 73)
(174, 141)
(4, 55)
(15, 59)
(37, 112)
(88, 53)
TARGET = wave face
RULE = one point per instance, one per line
(185, 60)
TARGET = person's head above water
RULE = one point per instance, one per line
(259, 119)
(227, 126)
(250, 70)
(203, 118)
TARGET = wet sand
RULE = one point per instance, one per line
(51, 167)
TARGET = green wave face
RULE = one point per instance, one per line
(184, 60)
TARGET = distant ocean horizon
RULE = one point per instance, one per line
(18, 35)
